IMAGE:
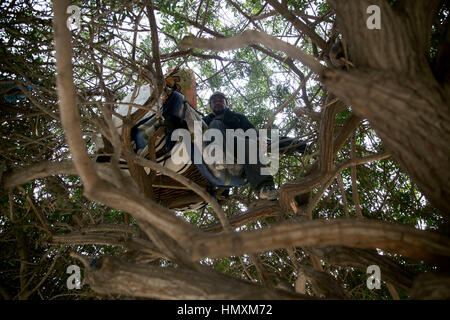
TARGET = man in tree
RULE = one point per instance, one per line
(223, 118)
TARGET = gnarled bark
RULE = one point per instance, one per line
(412, 243)
(362, 258)
(392, 85)
(119, 277)
(431, 286)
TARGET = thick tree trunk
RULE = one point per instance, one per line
(392, 85)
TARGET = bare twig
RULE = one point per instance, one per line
(344, 196)
(354, 185)
(299, 25)
(288, 101)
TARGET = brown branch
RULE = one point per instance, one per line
(39, 215)
(46, 168)
(265, 277)
(249, 18)
(4, 293)
(420, 15)
(26, 294)
(323, 284)
(264, 210)
(355, 192)
(174, 249)
(125, 200)
(70, 117)
(40, 170)
(188, 183)
(145, 209)
(119, 277)
(205, 15)
(392, 291)
(299, 25)
(137, 172)
(401, 239)
(391, 271)
(417, 137)
(251, 37)
(326, 164)
(312, 173)
(431, 286)
(155, 48)
(350, 125)
(290, 190)
(288, 101)
(192, 22)
(326, 130)
(110, 227)
(83, 238)
(312, 204)
(344, 195)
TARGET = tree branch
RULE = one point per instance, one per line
(416, 136)
(82, 238)
(290, 190)
(362, 258)
(299, 25)
(401, 239)
(251, 37)
(70, 117)
(289, 100)
(40, 170)
(188, 183)
(261, 211)
(119, 277)
(323, 284)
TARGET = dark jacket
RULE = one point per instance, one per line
(231, 119)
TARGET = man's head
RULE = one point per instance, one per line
(218, 102)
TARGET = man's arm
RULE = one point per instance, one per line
(208, 118)
(237, 120)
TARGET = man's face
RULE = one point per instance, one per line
(218, 103)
